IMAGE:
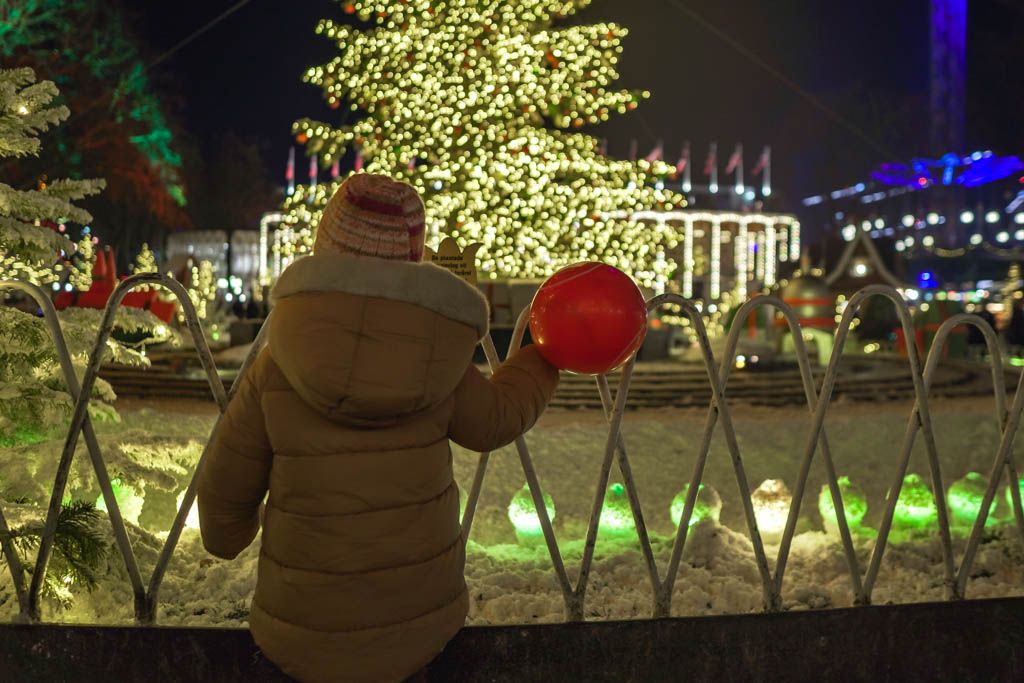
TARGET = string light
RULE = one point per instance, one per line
(716, 258)
(478, 106)
(741, 261)
(688, 260)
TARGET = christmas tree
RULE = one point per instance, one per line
(478, 103)
(145, 261)
(27, 250)
(34, 399)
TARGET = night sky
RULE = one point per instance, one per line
(867, 60)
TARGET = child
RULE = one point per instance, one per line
(345, 418)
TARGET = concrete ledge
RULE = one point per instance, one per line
(975, 640)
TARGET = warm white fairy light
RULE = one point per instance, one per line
(479, 106)
(265, 248)
(771, 501)
(688, 259)
(716, 259)
(759, 263)
(794, 241)
(769, 255)
(741, 261)
(783, 247)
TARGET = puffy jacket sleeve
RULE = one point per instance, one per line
(235, 476)
(490, 413)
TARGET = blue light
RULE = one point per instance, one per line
(926, 280)
(977, 169)
(951, 161)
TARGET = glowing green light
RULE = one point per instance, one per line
(616, 515)
(915, 508)
(707, 506)
(129, 500)
(1009, 495)
(523, 514)
(855, 505)
(965, 497)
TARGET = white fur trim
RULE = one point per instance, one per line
(422, 284)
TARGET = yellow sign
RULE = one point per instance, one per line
(450, 257)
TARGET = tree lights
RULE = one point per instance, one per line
(477, 105)
(30, 250)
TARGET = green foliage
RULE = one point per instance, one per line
(29, 251)
(93, 34)
(34, 398)
(79, 550)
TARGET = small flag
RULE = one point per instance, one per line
(684, 158)
(656, 154)
(359, 158)
(711, 165)
(412, 164)
(289, 172)
(762, 161)
(602, 149)
(735, 160)
(632, 150)
(335, 169)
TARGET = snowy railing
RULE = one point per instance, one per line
(862, 580)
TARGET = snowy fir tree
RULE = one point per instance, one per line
(478, 104)
(29, 251)
(34, 401)
(145, 261)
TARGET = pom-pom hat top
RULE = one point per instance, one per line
(373, 215)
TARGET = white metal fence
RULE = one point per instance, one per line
(862, 579)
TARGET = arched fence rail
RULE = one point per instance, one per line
(862, 581)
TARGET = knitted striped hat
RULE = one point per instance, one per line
(373, 215)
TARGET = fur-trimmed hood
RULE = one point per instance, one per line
(368, 341)
(421, 284)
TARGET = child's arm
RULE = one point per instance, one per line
(235, 476)
(490, 413)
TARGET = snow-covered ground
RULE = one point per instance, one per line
(511, 583)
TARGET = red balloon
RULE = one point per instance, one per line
(588, 318)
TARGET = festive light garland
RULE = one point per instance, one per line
(459, 98)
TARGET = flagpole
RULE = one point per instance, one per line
(289, 173)
(687, 186)
(713, 154)
(739, 170)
